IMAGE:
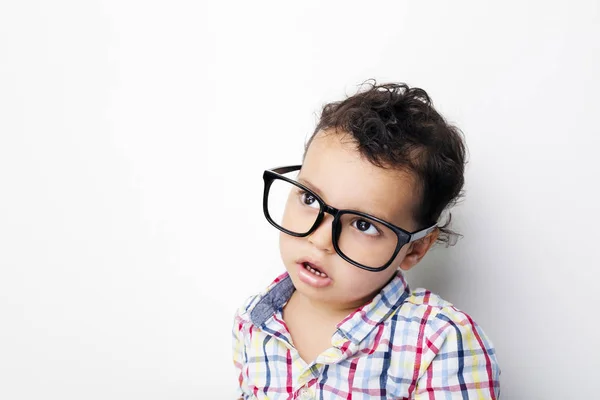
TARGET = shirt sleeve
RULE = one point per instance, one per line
(239, 355)
(463, 361)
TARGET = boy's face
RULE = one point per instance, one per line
(335, 170)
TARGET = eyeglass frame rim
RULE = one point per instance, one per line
(270, 175)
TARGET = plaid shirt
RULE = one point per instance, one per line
(401, 345)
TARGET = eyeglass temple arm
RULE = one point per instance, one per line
(421, 234)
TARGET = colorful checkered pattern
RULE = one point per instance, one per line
(402, 345)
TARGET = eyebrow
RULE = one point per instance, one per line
(315, 189)
(312, 187)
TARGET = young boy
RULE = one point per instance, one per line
(342, 323)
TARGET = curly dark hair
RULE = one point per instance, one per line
(396, 126)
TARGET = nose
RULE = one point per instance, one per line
(321, 238)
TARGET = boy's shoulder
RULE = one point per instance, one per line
(441, 318)
(433, 307)
(424, 297)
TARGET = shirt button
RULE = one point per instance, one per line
(305, 393)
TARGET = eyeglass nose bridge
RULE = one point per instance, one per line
(330, 210)
(326, 209)
(335, 213)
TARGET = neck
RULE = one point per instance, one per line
(326, 310)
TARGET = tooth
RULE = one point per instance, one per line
(314, 271)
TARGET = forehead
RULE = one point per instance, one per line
(335, 169)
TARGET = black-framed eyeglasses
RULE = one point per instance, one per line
(361, 239)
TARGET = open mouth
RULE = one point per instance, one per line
(309, 267)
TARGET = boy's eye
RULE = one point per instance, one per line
(365, 227)
(309, 199)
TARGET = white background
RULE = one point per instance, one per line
(133, 136)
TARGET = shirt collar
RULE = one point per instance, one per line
(356, 326)
(361, 322)
(272, 300)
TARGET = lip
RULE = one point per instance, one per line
(315, 263)
(310, 279)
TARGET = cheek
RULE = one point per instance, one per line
(398, 260)
(287, 245)
(362, 283)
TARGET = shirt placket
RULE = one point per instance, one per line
(306, 378)
(307, 382)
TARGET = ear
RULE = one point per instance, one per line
(418, 249)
